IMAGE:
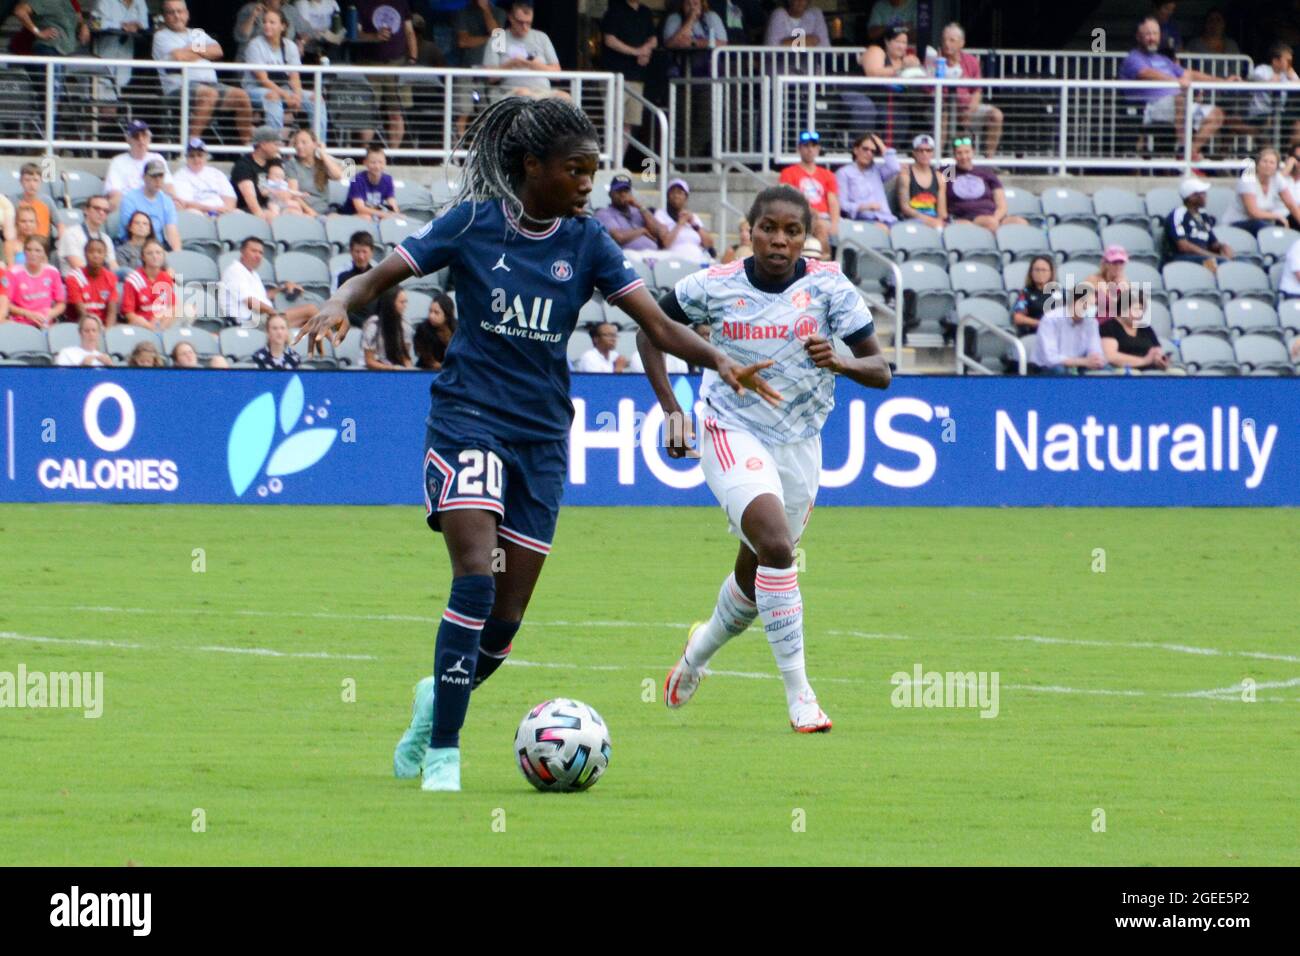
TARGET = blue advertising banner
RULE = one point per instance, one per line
(356, 438)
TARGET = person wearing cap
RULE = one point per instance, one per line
(126, 170)
(819, 187)
(797, 23)
(153, 202)
(922, 197)
(1189, 230)
(686, 236)
(1111, 284)
(248, 174)
(176, 42)
(975, 194)
(626, 221)
(1068, 336)
(199, 187)
(520, 47)
(862, 182)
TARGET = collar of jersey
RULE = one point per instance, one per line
(528, 233)
(800, 270)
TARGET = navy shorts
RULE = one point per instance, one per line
(521, 483)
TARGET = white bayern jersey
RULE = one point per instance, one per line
(750, 325)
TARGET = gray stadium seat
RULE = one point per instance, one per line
(199, 233)
(120, 340)
(283, 301)
(11, 185)
(1162, 322)
(913, 242)
(301, 234)
(1135, 239)
(1161, 201)
(348, 352)
(430, 282)
(1073, 239)
(238, 344)
(24, 342)
(642, 269)
(1062, 205)
(61, 335)
(934, 296)
(1014, 275)
(1021, 202)
(994, 313)
(79, 187)
(441, 189)
(967, 242)
(1208, 353)
(1274, 243)
(411, 196)
(1022, 242)
(1147, 275)
(1263, 353)
(68, 217)
(338, 263)
(1238, 280)
(329, 360)
(1288, 313)
(1243, 245)
(1218, 201)
(1192, 316)
(1114, 206)
(204, 342)
(592, 312)
(417, 306)
(1246, 316)
(234, 227)
(977, 280)
(305, 269)
(1074, 271)
(865, 234)
(266, 270)
(190, 266)
(578, 343)
(394, 230)
(626, 346)
(667, 272)
(1185, 279)
(339, 230)
(338, 192)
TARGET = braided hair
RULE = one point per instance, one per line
(503, 134)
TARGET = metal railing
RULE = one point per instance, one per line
(658, 159)
(965, 362)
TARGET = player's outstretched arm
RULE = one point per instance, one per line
(678, 432)
(867, 367)
(332, 317)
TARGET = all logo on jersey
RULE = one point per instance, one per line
(561, 270)
(533, 323)
(805, 328)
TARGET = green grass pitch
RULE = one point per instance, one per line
(1117, 691)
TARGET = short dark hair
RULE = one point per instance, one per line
(593, 328)
(374, 147)
(249, 239)
(1278, 49)
(781, 193)
(92, 240)
(361, 238)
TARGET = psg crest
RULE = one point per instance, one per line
(560, 269)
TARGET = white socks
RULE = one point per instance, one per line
(733, 614)
(780, 605)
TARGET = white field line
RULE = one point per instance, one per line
(211, 649)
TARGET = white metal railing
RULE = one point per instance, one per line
(965, 362)
(657, 159)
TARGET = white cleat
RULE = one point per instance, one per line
(683, 680)
(807, 717)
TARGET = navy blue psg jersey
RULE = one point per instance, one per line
(518, 294)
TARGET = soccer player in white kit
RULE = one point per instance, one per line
(763, 462)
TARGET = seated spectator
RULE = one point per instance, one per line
(151, 200)
(245, 299)
(322, 26)
(126, 170)
(29, 178)
(248, 174)
(149, 292)
(87, 353)
(117, 25)
(57, 27)
(184, 356)
(602, 356)
(72, 244)
(922, 193)
(742, 249)
(274, 91)
(284, 198)
(672, 364)
(819, 187)
(1214, 38)
(904, 109)
(1266, 105)
(175, 41)
(1190, 232)
(372, 194)
(627, 223)
(524, 49)
(1037, 295)
(1128, 340)
(276, 355)
(474, 26)
(1263, 197)
(797, 23)
(1289, 283)
(434, 334)
(25, 228)
(35, 289)
(1109, 282)
(92, 289)
(628, 28)
(1166, 106)
(311, 170)
(145, 355)
(982, 119)
(384, 42)
(130, 251)
(886, 14)
(812, 249)
(686, 237)
(975, 194)
(8, 227)
(383, 337)
(201, 188)
(1068, 337)
(361, 246)
(862, 183)
(1171, 38)
(250, 23)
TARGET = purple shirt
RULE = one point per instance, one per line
(970, 193)
(1138, 60)
(858, 187)
(631, 218)
(370, 194)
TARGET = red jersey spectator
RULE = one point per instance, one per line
(818, 185)
(149, 293)
(93, 290)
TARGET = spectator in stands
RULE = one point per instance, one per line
(861, 183)
(742, 249)
(126, 170)
(1289, 283)
(57, 26)
(245, 299)
(1128, 340)
(151, 199)
(521, 48)
(35, 290)
(73, 242)
(1034, 299)
(819, 187)
(272, 91)
(92, 290)
(1171, 38)
(29, 179)
(250, 23)
(321, 26)
(1165, 106)
(434, 334)
(627, 222)
(982, 119)
(276, 355)
(1214, 38)
(686, 237)
(149, 292)
(25, 228)
(691, 34)
(361, 246)
(602, 356)
(177, 42)
(474, 26)
(284, 198)
(130, 251)
(1263, 197)
(184, 356)
(87, 353)
(1110, 282)
(1264, 105)
(248, 174)
(372, 194)
(383, 337)
(886, 14)
(117, 25)
(201, 188)
(1068, 337)
(1190, 232)
(311, 169)
(744, 20)
(387, 38)
(8, 226)
(903, 108)
(922, 193)
(146, 355)
(696, 27)
(629, 31)
(797, 24)
(975, 194)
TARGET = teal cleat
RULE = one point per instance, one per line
(441, 769)
(409, 753)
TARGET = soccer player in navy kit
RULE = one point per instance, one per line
(524, 259)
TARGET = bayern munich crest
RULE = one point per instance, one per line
(805, 327)
(801, 299)
(561, 270)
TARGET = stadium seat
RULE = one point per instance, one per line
(591, 313)
(25, 343)
(1134, 238)
(411, 197)
(266, 270)
(417, 306)
(305, 269)
(301, 234)
(327, 361)
(1160, 202)
(667, 272)
(441, 189)
(11, 185)
(1025, 204)
(1162, 322)
(1250, 316)
(204, 342)
(283, 301)
(1193, 316)
(337, 193)
(987, 310)
(394, 230)
(1274, 242)
(917, 243)
(578, 343)
(1072, 240)
(239, 344)
(1022, 242)
(234, 227)
(199, 233)
(338, 263)
(1114, 206)
(1149, 276)
(1238, 280)
(339, 230)
(1263, 354)
(1244, 246)
(120, 340)
(68, 217)
(864, 234)
(79, 187)
(935, 299)
(977, 280)
(1062, 205)
(1185, 279)
(1073, 271)
(1014, 275)
(61, 335)
(967, 242)
(190, 266)
(1288, 314)
(348, 352)
(430, 282)
(1218, 201)
(1208, 353)
(643, 270)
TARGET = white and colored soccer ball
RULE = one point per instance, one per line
(562, 745)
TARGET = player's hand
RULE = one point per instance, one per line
(822, 353)
(330, 320)
(741, 378)
(679, 435)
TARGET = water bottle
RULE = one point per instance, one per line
(354, 23)
(941, 67)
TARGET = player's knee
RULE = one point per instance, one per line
(775, 551)
(473, 594)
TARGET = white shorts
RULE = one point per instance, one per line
(1162, 111)
(739, 468)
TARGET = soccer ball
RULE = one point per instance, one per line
(562, 745)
